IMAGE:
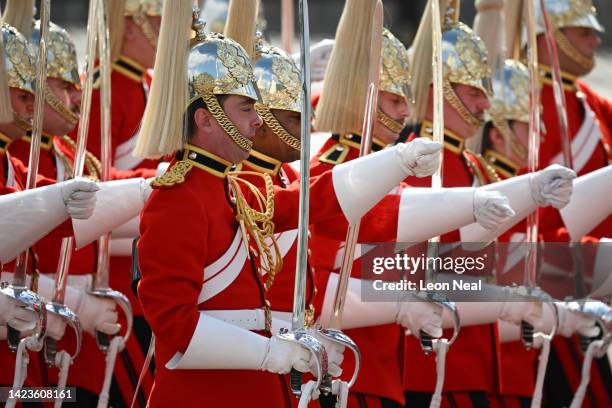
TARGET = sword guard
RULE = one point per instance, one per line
(123, 302)
(340, 337)
(30, 299)
(317, 350)
(71, 320)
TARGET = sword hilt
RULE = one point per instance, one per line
(295, 382)
(426, 341)
(50, 351)
(527, 334)
(13, 336)
(103, 341)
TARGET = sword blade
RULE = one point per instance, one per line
(299, 293)
(371, 106)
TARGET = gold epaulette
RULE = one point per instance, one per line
(489, 176)
(335, 154)
(173, 176)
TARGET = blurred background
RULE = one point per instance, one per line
(401, 16)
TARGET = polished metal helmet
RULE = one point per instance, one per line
(278, 81)
(569, 13)
(62, 60)
(217, 65)
(395, 69)
(277, 77)
(464, 57)
(61, 64)
(510, 102)
(19, 59)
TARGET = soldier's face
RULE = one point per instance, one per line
(241, 111)
(503, 146)
(55, 123)
(23, 106)
(75, 99)
(584, 40)
(394, 106)
(475, 100)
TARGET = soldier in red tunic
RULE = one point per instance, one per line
(202, 291)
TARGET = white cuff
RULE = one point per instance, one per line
(425, 212)
(361, 183)
(217, 345)
(589, 204)
(518, 191)
(27, 216)
(117, 202)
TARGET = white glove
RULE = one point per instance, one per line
(552, 186)
(16, 315)
(319, 58)
(283, 355)
(335, 353)
(95, 313)
(420, 157)
(56, 326)
(491, 208)
(416, 314)
(571, 322)
(516, 312)
(79, 196)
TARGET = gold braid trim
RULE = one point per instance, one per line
(176, 175)
(92, 164)
(506, 131)
(226, 124)
(142, 21)
(390, 123)
(462, 110)
(568, 48)
(255, 224)
(59, 107)
(277, 128)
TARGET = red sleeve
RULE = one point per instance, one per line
(172, 268)
(63, 230)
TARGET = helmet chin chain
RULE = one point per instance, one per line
(388, 122)
(572, 52)
(456, 102)
(277, 128)
(226, 124)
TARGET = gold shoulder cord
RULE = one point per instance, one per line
(257, 224)
(92, 164)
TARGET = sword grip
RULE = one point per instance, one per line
(13, 337)
(50, 351)
(426, 341)
(584, 342)
(295, 382)
(527, 334)
(103, 341)
(327, 401)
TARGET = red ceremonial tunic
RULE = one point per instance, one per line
(199, 218)
(472, 362)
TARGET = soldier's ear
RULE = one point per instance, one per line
(203, 119)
